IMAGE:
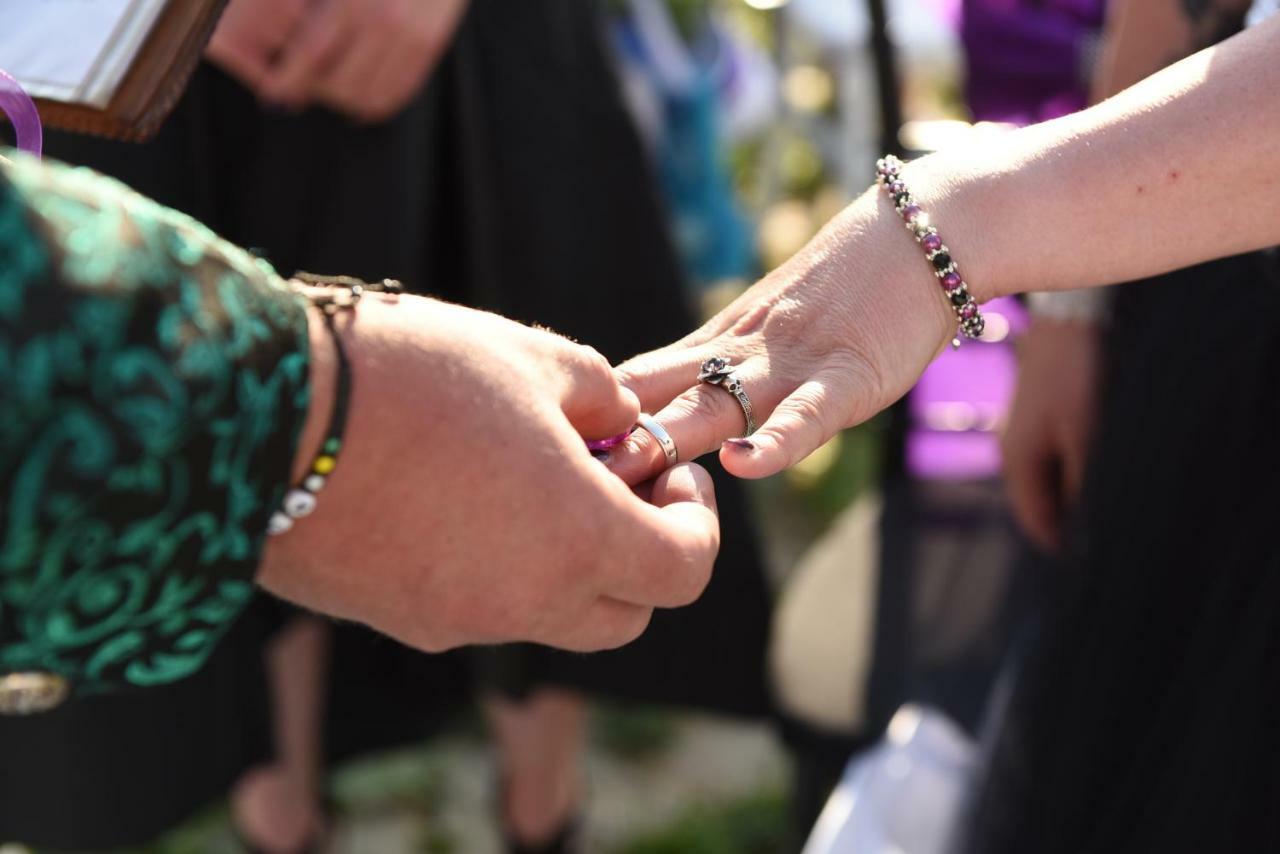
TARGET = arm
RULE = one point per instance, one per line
(1144, 36)
(1181, 168)
(1046, 439)
(161, 389)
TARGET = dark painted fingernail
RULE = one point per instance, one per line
(744, 444)
(601, 455)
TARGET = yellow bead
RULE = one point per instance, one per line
(324, 465)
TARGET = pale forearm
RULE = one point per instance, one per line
(1182, 168)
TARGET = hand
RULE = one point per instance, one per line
(364, 58)
(824, 342)
(250, 34)
(1046, 442)
(466, 507)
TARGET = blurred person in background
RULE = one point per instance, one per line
(935, 549)
(1139, 719)
(516, 182)
(540, 203)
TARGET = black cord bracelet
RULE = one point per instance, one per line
(344, 294)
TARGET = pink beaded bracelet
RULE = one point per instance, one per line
(971, 322)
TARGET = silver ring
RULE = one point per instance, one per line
(718, 371)
(661, 436)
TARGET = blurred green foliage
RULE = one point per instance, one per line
(634, 732)
(755, 824)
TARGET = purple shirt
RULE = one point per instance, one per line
(1028, 61)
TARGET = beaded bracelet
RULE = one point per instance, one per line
(344, 294)
(971, 322)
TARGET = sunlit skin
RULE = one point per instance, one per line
(467, 507)
(1181, 168)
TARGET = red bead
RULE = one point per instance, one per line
(951, 281)
(931, 242)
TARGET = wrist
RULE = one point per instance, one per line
(323, 388)
(958, 202)
(882, 268)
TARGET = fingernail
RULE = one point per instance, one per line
(744, 444)
(601, 455)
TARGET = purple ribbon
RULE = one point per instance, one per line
(21, 110)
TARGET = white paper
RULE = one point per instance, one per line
(76, 51)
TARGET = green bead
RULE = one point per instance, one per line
(333, 445)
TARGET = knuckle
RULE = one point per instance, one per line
(591, 363)
(686, 569)
(694, 574)
(630, 627)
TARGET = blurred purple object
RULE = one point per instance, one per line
(21, 110)
(1029, 60)
(960, 402)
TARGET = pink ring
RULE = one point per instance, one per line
(17, 105)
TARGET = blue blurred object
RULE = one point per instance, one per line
(675, 91)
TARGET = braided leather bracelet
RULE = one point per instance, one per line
(969, 316)
(343, 294)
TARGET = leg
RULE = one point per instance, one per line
(539, 742)
(277, 807)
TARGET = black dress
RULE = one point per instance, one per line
(541, 206)
(1145, 718)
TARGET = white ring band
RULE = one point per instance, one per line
(661, 436)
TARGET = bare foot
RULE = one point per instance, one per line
(274, 813)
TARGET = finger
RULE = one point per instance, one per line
(419, 46)
(348, 83)
(308, 56)
(395, 82)
(698, 421)
(658, 377)
(242, 60)
(818, 409)
(596, 404)
(1032, 486)
(1075, 455)
(663, 551)
(604, 624)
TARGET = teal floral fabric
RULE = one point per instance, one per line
(153, 385)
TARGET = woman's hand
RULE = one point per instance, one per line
(1046, 442)
(363, 58)
(827, 340)
(467, 508)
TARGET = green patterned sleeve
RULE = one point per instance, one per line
(153, 386)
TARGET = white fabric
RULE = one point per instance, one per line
(824, 625)
(905, 795)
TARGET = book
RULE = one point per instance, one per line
(115, 68)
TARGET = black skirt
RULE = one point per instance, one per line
(541, 206)
(1145, 719)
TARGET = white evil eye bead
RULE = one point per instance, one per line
(278, 524)
(314, 482)
(299, 503)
